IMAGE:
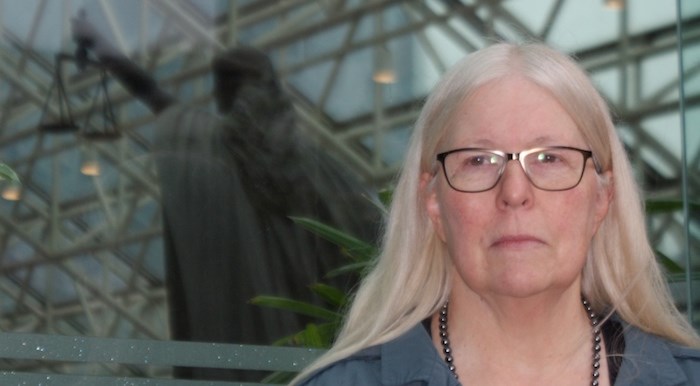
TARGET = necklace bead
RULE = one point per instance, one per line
(446, 349)
(595, 328)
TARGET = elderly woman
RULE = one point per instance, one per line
(530, 272)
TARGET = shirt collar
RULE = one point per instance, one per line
(412, 358)
(648, 361)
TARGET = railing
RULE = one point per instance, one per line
(167, 354)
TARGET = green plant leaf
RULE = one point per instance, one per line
(332, 295)
(326, 332)
(355, 248)
(6, 173)
(316, 335)
(669, 265)
(385, 196)
(296, 306)
(662, 206)
(312, 336)
(359, 267)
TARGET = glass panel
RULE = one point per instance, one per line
(690, 82)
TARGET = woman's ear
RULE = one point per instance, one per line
(431, 203)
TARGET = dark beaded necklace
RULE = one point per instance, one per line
(444, 339)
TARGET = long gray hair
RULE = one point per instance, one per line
(411, 279)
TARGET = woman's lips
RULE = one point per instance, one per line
(516, 241)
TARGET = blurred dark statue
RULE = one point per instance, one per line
(229, 183)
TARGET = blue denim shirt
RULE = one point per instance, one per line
(412, 360)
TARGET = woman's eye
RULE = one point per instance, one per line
(476, 161)
(480, 160)
(547, 158)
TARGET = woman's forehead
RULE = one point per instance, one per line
(513, 111)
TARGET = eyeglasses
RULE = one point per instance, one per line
(554, 168)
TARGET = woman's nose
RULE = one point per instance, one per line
(514, 188)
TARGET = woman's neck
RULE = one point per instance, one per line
(538, 339)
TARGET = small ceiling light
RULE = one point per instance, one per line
(615, 5)
(89, 165)
(384, 72)
(11, 191)
(90, 168)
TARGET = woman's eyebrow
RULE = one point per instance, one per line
(544, 140)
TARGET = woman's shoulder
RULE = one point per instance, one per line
(688, 359)
(653, 360)
(361, 368)
(409, 359)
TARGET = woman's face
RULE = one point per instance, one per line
(515, 239)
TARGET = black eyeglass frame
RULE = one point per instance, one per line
(517, 157)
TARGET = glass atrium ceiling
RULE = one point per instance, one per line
(84, 255)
